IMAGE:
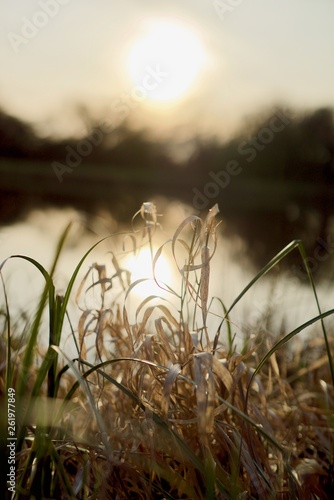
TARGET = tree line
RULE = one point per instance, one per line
(277, 172)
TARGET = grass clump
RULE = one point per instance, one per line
(160, 406)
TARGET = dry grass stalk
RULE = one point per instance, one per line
(179, 417)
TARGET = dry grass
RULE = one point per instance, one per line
(162, 407)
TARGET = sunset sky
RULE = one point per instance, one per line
(194, 66)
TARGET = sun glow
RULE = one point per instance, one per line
(165, 60)
(140, 267)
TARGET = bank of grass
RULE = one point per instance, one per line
(162, 407)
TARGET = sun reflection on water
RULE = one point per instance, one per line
(149, 281)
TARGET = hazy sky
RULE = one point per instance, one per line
(240, 57)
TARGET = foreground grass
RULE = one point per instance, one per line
(162, 407)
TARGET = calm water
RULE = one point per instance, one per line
(290, 303)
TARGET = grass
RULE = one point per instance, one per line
(162, 407)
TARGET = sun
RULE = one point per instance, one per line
(140, 267)
(165, 60)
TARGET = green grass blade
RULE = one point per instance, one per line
(65, 299)
(47, 292)
(187, 453)
(9, 371)
(28, 354)
(284, 340)
(61, 472)
(82, 381)
(310, 277)
(272, 263)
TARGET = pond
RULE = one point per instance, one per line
(279, 302)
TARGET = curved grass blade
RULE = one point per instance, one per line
(272, 263)
(187, 453)
(82, 381)
(63, 308)
(309, 274)
(9, 371)
(48, 292)
(283, 341)
(230, 337)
